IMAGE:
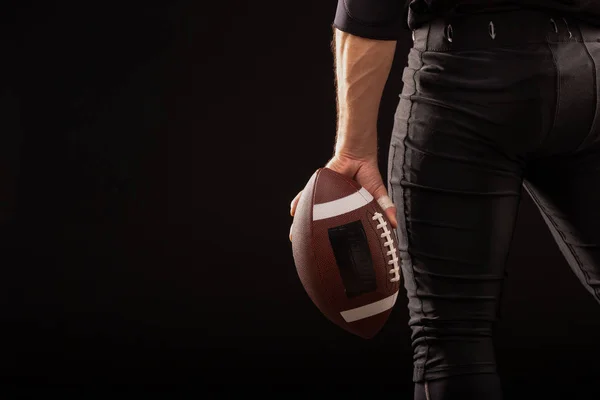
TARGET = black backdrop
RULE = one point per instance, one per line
(149, 156)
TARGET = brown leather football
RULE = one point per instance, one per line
(346, 253)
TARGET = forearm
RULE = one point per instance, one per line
(362, 68)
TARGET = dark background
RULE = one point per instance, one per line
(148, 157)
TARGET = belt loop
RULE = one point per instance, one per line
(554, 25)
(492, 30)
(568, 29)
(449, 33)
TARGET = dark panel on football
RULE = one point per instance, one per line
(353, 257)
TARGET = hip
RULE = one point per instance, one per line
(533, 87)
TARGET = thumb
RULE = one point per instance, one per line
(388, 206)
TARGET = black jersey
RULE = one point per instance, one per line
(385, 19)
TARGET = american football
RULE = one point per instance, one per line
(346, 253)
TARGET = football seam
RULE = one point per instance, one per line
(383, 240)
(384, 256)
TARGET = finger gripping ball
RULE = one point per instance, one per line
(346, 253)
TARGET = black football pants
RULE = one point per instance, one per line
(491, 103)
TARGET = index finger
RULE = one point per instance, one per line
(294, 203)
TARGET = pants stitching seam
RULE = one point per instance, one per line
(557, 102)
(595, 83)
(404, 196)
(569, 246)
(512, 236)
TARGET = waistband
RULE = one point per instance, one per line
(501, 29)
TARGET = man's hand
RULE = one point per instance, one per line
(366, 173)
(362, 67)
